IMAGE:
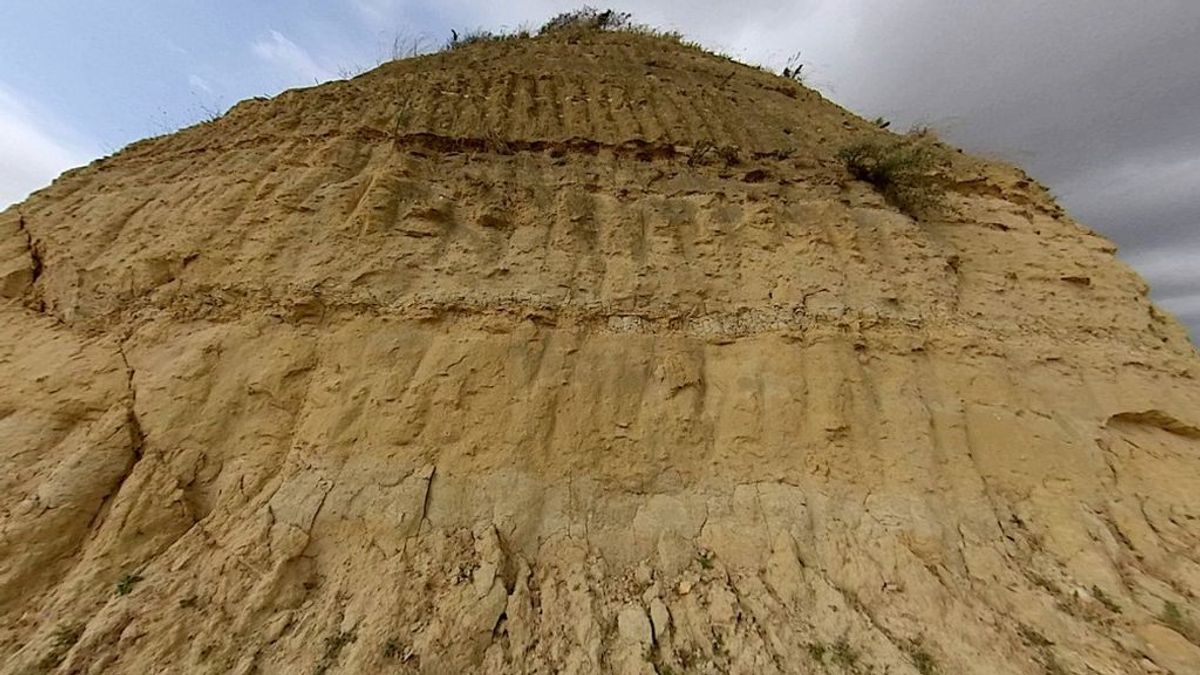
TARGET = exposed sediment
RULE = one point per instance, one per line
(484, 362)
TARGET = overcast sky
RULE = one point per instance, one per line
(1100, 99)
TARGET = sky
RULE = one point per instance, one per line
(1098, 99)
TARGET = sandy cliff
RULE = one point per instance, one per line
(484, 362)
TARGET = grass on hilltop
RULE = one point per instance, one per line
(570, 25)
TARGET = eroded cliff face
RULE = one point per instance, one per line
(481, 362)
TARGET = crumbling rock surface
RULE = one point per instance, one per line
(482, 362)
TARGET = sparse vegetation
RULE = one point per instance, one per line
(478, 36)
(843, 654)
(210, 113)
(1179, 621)
(588, 19)
(126, 583)
(1051, 664)
(729, 154)
(334, 643)
(817, 651)
(333, 648)
(65, 636)
(1102, 598)
(699, 152)
(1171, 615)
(401, 46)
(404, 47)
(922, 660)
(1044, 583)
(719, 648)
(392, 649)
(1033, 638)
(62, 640)
(569, 24)
(794, 68)
(494, 142)
(660, 667)
(905, 170)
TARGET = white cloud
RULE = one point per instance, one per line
(377, 12)
(281, 52)
(1171, 269)
(200, 83)
(32, 151)
(1156, 179)
(1183, 305)
(1178, 262)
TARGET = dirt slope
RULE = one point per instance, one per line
(579, 356)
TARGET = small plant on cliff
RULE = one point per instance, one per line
(843, 654)
(393, 649)
(1031, 637)
(1102, 598)
(703, 150)
(793, 70)
(65, 636)
(905, 170)
(62, 640)
(1174, 618)
(1051, 664)
(125, 584)
(656, 660)
(921, 659)
(333, 649)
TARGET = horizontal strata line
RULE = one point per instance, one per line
(636, 148)
(793, 322)
(704, 152)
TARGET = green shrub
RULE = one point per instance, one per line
(1180, 622)
(125, 584)
(905, 170)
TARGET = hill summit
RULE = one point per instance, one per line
(584, 352)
